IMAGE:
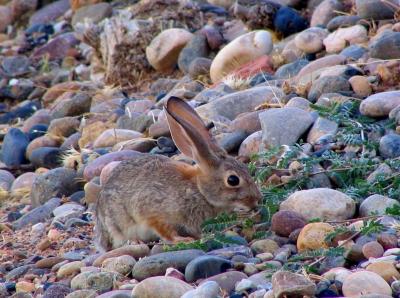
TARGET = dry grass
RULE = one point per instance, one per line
(236, 82)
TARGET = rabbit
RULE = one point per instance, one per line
(152, 196)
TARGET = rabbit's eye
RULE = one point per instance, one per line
(233, 180)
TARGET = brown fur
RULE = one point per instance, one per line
(153, 197)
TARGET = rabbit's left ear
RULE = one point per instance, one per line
(189, 132)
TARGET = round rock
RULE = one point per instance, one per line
(362, 283)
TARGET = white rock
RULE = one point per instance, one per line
(338, 40)
(311, 40)
(376, 204)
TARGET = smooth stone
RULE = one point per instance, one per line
(196, 48)
(123, 264)
(82, 294)
(71, 104)
(98, 281)
(290, 70)
(310, 72)
(354, 52)
(43, 141)
(164, 49)
(288, 21)
(54, 183)
(385, 270)
(95, 167)
(325, 12)
(231, 141)
(312, 236)
(227, 280)
(6, 180)
(14, 147)
(360, 86)
(57, 48)
(205, 266)
(64, 127)
(199, 67)
(70, 269)
(328, 84)
(375, 9)
(50, 12)
(389, 146)
(342, 37)
(112, 136)
(376, 205)
(41, 116)
(240, 51)
(320, 128)
(311, 40)
(261, 280)
(209, 289)
(17, 272)
(388, 241)
(93, 13)
(362, 283)
(38, 214)
(136, 251)
(284, 223)
(342, 21)
(264, 245)
(288, 284)
(5, 18)
(161, 287)
(158, 264)
(247, 122)
(37, 131)
(15, 66)
(251, 145)
(234, 104)
(383, 170)
(48, 262)
(323, 203)
(380, 104)
(116, 294)
(46, 157)
(296, 121)
(372, 250)
(386, 46)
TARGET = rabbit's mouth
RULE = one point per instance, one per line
(241, 207)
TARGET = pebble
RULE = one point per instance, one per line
(290, 70)
(323, 203)
(284, 223)
(286, 284)
(205, 266)
(110, 137)
(386, 270)
(70, 269)
(365, 282)
(360, 86)
(380, 104)
(251, 145)
(376, 205)
(264, 245)
(162, 287)
(82, 294)
(226, 280)
(14, 147)
(197, 47)
(57, 291)
(288, 21)
(98, 281)
(322, 127)
(389, 146)
(56, 182)
(311, 40)
(386, 46)
(338, 40)
(209, 289)
(374, 9)
(312, 236)
(158, 264)
(123, 264)
(164, 49)
(240, 51)
(325, 11)
(372, 250)
(24, 286)
(328, 84)
(93, 13)
(296, 121)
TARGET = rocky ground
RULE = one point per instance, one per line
(304, 92)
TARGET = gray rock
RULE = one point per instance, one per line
(208, 289)
(387, 46)
(232, 105)
(284, 126)
(206, 266)
(229, 252)
(75, 105)
(157, 264)
(376, 9)
(199, 67)
(116, 294)
(288, 284)
(196, 48)
(139, 123)
(380, 104)
(290, 70)
(389, 146)
(15, 66)
(161, 287)
(46, 157)
(231, 141)
(17, 272)
(98, 281)
(325, 11)
(227, 280)
(376, 205)
(50, 12)
(354, 52)
(54, 183)
(342, 21)
(39, 214)
(328, 84)
(320, 128)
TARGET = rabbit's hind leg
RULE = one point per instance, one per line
(166, 231)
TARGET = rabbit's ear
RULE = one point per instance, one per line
(189, 132)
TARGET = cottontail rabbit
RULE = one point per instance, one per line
(152, 196)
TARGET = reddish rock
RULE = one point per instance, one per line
(285, 222)
(261, 64)
(387, 241)
(372, 250)
(95, 167)
(57, 48)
